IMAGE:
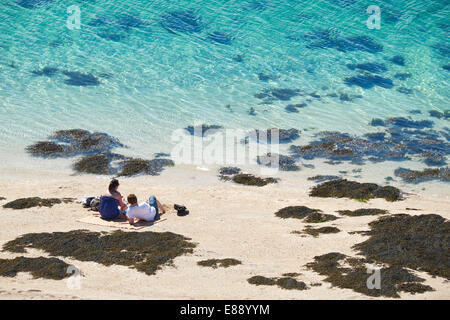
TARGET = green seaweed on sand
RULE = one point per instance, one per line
(315, 232)
(287, 283)
(251, 180)
(305, 213)
(418, 242)
(215, 263)
(362, 212)
(351, 273)
(25, 203)
(145, 251)
(48, 268)
(96, 163)
(133, 166)
(355, 190)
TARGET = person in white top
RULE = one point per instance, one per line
(144, 211)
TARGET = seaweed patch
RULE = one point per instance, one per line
(287, 283)
(355, 190)
(413, 176)
(306, 214)
(315, 232)
(26, 203)
(362, 212)
(216, 263)
(48, 268)
(145, 251)
(252, 180)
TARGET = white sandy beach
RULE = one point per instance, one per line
(226, 221)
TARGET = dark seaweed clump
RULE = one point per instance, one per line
(202, 130)
(368, 81)
(285, 163)
(48, 268)
(97, 163)
(283, 135)
(355, 190)
(315, 232)
(288, 283)
(413, 176)
(227, 171)
(215, 263)
(439, 114)
(30, 4)
(393, 279)
(324, 39)
(2, 198)
(46, 71)
(399, 60)
(76, 78)
(368, 66)
(363, 212)
(283, 94)
(418, 242)
(25, 203)
(305, 213)
(145, 251)
(131, 166)
(251, 180)
(68, 143)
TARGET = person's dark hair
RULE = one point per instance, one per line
(132, 199)
(113, 185)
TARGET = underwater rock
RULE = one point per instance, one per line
(251, 111)
(307, 214)
(285, 163)
(128, 21)
(402, 76)
(46, 71)
(412, 176)
(108, 35)
(291, 109)
(228, 171)
(407, 123)
(251, 180)
(405, 90)
(25, 203)
(322, 178)
(439, 114)
(266, 77)
(369, 81)
(278, 94)
(315, 232)
(446, 67)
(398, 60)
(80, 79)
(145, 251)
(354, 276)
(220, 37)
(355, 190)
(368, 66)
(202, 130)
(31, 4)
(362, 212)
(347, 97)
(284, 135)
(182, 21)
(215, 263)
(348, 44)
(238, 58)
(418, 242)
(47, 268)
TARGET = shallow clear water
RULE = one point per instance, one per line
(153, 81)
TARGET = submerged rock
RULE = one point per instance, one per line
(203, 130)
(368, 81)
(322, 178)
(220, 37)
(48, 268)
(368, 66)
(307, 214)
(398, 60)
(285, 163)
(31, 4)
(355, 190)
(46, 71)
(215, 263)
(182, 21)
(145, 251)
(412, 176)
(228, 171)
(283, 94)
(283, 135)
(80, 79)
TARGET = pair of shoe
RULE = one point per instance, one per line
(181, 210)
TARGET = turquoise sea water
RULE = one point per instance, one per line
(156, 74)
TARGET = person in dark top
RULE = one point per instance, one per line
(111, 201)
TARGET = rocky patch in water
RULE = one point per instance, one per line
(26, 203)
(306, 214)
(203, 130)
(351, 273)
(322, 178)
(413, 176)
(182, 22)
(368, 81)
(285, 163)
(145, 251)
(222, 263)
(47, 268)
(355, 190)
(283, 94)
(76, 78)
(362, 212)
(368, 66)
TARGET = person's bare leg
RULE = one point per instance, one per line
(160, 207)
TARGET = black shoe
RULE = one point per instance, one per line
(182, 213)
(178, 207)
